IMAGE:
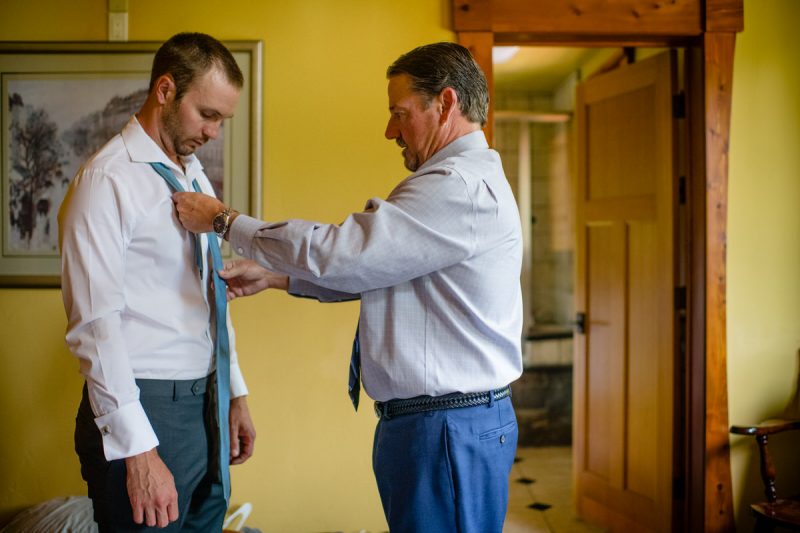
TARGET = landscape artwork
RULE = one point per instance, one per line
(52, 124)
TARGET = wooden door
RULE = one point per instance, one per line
(626, 271)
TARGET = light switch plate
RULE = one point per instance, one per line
(117, 26)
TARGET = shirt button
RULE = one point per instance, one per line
(105, 430)
(502, 439)
(240, 250)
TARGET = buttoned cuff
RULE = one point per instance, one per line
(242, 233)
(302, 288)
(307, 289)
(126, 432)
(238, 387)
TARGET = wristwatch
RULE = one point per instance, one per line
(221, 222)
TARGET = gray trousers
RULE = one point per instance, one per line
(182, 415)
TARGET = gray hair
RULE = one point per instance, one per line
(434, 67)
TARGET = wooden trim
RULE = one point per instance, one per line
(592, 41)
(609, 18)
(609, 23)
(724, 16)
(709, 501)
(718, 51)
(480, 44)
(695, 361)
(472, 15)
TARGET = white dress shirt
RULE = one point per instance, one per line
(436, 266)
(136, 303)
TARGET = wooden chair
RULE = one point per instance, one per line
(784, 512)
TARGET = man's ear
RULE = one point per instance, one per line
(165, 89)
(448, 99)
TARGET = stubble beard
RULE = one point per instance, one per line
(172, 130)
(409, 161)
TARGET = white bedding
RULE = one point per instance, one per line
(72, 514)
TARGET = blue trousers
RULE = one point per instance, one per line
(446, 471)
(182, 416)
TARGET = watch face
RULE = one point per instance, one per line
(219, 223)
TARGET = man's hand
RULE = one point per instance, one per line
(151, 489)
(243, 432)
(246, 277)
(196, 210)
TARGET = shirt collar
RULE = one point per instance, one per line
(471, 141)
(143, 149)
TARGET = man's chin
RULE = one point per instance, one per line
(186, 151)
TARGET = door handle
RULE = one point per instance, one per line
(580, 323)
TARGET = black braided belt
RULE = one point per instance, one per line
(421, 404)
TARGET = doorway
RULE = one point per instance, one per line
(707, 29)
(534, 97)
(630, 207)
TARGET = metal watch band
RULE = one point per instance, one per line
(221, 222)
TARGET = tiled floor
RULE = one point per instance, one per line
(540, 493)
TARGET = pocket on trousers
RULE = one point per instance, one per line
(502, 430)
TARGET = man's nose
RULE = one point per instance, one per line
(391, 131)
(211, 130)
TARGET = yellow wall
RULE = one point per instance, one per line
(325, 109)
(764, 236)
(324, 113)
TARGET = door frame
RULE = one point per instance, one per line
(707, 29)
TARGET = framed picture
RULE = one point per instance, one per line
(61, 103)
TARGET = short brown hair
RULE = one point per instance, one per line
(187, 56)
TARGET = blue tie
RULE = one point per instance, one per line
(354, 384)
(222, 357)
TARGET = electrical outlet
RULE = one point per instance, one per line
(117, 26)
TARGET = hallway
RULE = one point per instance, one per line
(540, 493)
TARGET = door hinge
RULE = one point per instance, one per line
(679, 105)
(680, 298)
(678, 488)
(580, 323)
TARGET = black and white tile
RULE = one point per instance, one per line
(540, 493)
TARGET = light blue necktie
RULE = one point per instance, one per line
(222, 355)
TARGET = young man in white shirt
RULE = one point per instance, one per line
(135, 290)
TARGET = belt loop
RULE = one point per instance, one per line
(382, 410)
(175, 395)
(491, 398)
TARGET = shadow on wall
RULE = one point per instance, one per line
(783, 449)
(40, 389)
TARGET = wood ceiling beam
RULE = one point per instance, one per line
(590, 17)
